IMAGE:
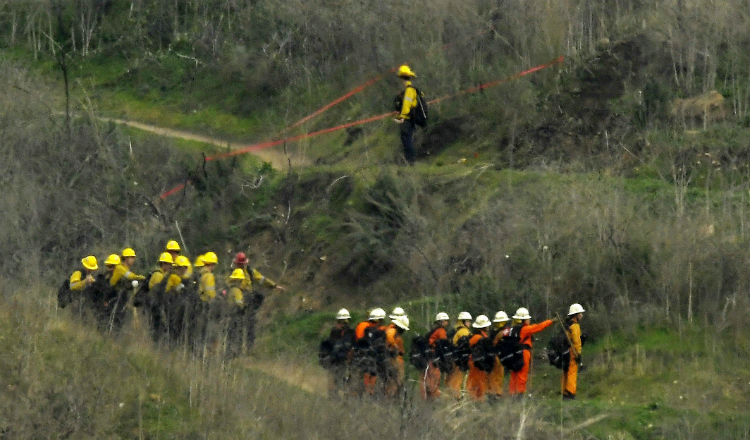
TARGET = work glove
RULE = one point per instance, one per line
(134, 283)
(180, 287)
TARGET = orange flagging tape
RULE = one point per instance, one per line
(269, 144)
(340, 99)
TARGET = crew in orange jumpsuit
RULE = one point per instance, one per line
(476, 384)
(519, 378)
(430, 383)
(455, 379)
(376, 318)
(394, 345)
(570, 375)
(497, 375)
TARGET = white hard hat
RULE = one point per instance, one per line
(343, 314)
(522, 313)
(575, 309)
(442, 316)
(501, 316)
(482, 322)
(398, 311)
(463, 316)
(377, 313)
(402, 321)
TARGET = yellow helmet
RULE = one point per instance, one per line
(238, 274)
(198, 261)
(166, 257)
(172, 246)
(128, 252)
(112, 260)
(90, 263)
(405, 72)
(210, 258)
(182, 261)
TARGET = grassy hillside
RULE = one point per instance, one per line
(618, 179)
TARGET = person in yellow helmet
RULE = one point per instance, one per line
(175, 300)
(84, 276)
(153, 298)
(408, 102)
(177, 280)
(252, 275)
(112, 261)
(207, 288)
(235, 312)
(123, 270)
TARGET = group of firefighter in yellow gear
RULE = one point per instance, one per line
(470, 359)
(180, 301)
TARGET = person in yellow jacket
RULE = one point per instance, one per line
(570, 374)
(112, 261)
(455, 379)
(207, 287)
(164, 266)
(409, 102)
(84, 277)
(394, 346)
(123, 270)
(178, 278)
(252, 275)
(497, 375)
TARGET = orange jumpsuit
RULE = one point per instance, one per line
(519, 378)
(455, 379)
(430, 384)
(394, 344)
(369, 379)
(476, 384)
(570, 376)
(497, 375)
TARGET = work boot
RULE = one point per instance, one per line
(568, 396)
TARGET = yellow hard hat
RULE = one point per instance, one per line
(128, 252)
(405, 71)
(112, 260)
(173, 246)
(198, 261)
(166, 257)
(90, 263)
(210, 258)
(238, 274)
(182, 261)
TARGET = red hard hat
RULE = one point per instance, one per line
(240, 258)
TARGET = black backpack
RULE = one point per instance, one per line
(462, 352)
(558, 351)
(483, 354)
(445, 354)
(420, 352)
(64, 294)
(510, 350)
(419, 112)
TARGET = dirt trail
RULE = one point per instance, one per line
(305, 377)
(274, 156)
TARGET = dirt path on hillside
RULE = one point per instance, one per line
(306, 377)
(275, 156)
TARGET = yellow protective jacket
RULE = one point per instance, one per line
(410, 101)
(173, 282)
(236, 296)
(155, 279)
(461, 331)
(254, 276)
(574, 333)
(123, 272)
(207, 288)
(77, 280)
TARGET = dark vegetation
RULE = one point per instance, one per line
(618, 180)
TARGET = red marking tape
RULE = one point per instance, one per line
(268, 144)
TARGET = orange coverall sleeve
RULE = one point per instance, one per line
(438, 334)
(528, 330)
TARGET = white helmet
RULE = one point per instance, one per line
(343, 314)
(442, 316)
(398, 311)
(482, 322)
(464, 316)
(575, 309)
(402, 322)
(376, 314)
(501, 316)
(522, 313)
